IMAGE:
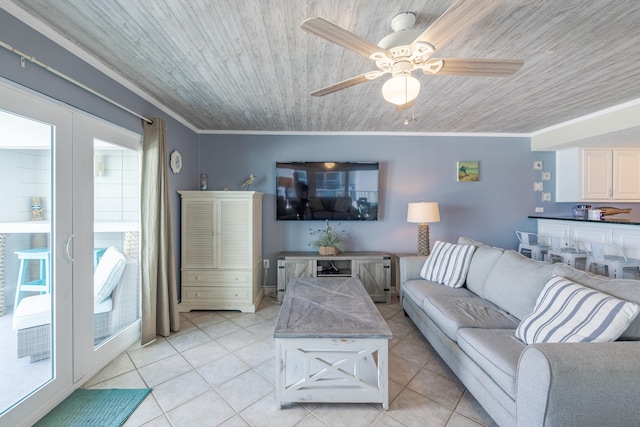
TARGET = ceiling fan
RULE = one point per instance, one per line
(405, 51)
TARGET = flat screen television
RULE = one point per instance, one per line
(341, 191)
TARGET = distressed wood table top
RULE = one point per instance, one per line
(329, 307)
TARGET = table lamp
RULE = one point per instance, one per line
(423, 213)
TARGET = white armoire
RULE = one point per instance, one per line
(221, 250)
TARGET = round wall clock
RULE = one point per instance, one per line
(175, 161)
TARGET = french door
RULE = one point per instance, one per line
(112, 156)
(70, 194)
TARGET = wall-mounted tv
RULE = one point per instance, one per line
(341, 191)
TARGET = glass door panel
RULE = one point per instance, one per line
(35, 276)
(116, 241)
(106, 259)
(25, 273)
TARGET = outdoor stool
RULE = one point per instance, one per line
(25, 284)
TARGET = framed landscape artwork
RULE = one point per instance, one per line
(468, 171)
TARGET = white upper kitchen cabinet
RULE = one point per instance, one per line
(598, 174)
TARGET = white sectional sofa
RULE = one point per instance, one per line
(474, 329)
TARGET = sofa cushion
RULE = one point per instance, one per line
(625, 289)
(496, 351)
(342, 204)
(32, 311)
(451, 313)
(448, 264)
(568, 312)
(463, 240)
(419, 289)
(315, 204)
(36, 311)
(108, 274)
(515, 283)
(483, 260)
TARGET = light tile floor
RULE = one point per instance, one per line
(219, 370)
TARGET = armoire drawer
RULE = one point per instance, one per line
(215, 278)
(222, 293)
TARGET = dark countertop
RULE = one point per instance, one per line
(605, 221)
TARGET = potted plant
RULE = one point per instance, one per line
(329, 240)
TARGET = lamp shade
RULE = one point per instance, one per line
(400, 90)
(423, 212)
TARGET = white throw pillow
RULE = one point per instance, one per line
(448, 264)
(568, 312)
(107, 274)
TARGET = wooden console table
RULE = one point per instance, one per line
(372, 268)
(331, 344)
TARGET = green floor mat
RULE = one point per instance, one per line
(95, 407)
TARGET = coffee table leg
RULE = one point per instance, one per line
(280, 372)
(383, 372)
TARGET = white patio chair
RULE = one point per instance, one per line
(116, 304)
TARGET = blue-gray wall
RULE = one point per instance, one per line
(412, 168)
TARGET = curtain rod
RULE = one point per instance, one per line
(24, 56)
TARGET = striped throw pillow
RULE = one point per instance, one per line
(568, 312)
(448, 264)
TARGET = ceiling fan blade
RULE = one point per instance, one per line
(341, 85)
(341, 37)
(476, 67)
(460, 16)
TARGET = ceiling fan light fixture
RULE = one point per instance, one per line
(401, 89)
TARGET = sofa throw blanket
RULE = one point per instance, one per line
(448, 264)
(568, 312)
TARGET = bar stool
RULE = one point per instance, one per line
(614, 264)
(568, 255)
(531, 245)
(41, 284)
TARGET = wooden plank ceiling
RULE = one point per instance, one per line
(245, 65)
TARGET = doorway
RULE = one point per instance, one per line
(70, 208)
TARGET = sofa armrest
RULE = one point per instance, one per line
(410, 267)
(579, 384)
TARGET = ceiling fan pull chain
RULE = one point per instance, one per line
(406, 102)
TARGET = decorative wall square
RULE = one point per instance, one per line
(546, 197)
(538, 186)
(537, 165)
(546, 176)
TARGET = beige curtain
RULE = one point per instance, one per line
(159, 293)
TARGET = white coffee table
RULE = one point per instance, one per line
(331, 344)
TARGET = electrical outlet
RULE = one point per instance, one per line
(265, 263)
(539, 209)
